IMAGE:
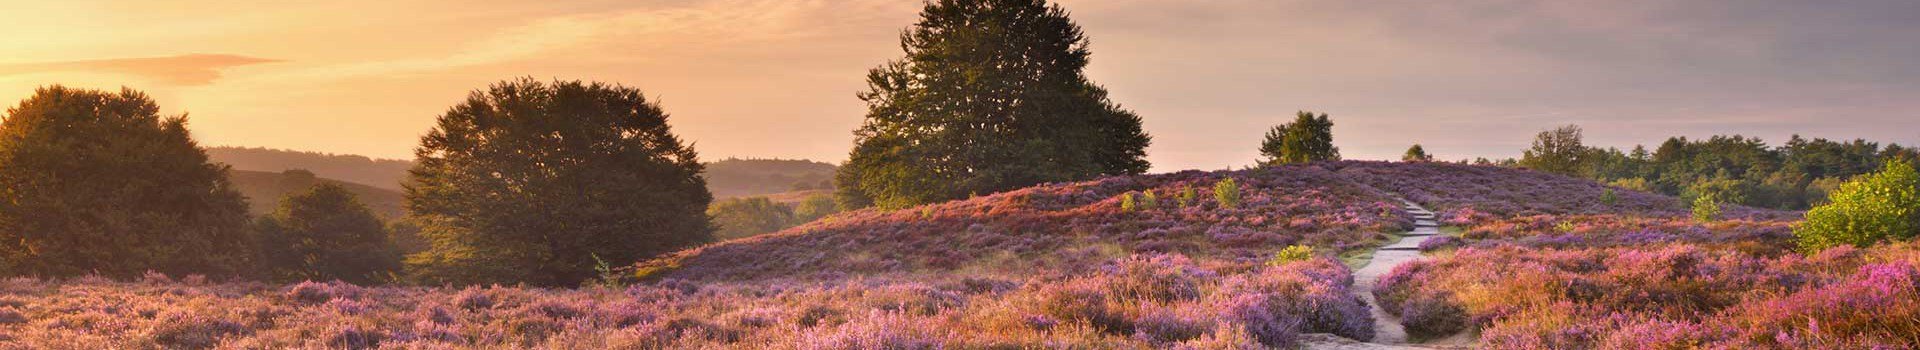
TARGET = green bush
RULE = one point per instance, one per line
(1608, 197)
(325, 233)
(1291, 253)
(1227, 192)
(1868, 209)
(1126, 203)
(1706, 208)
(1187, 196)
(1149, 200)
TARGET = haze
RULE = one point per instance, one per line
(777, 78)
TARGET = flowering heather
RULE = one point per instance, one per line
(1142, 301)
(1064, 228)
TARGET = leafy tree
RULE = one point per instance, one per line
(528, 181)
(1308, 138)
(990, 97)
(1416, 154)
(1876, 207)
(326, 234)
(813, 208)
(746, 217)
(1556, 151)
(92, 181)
(1706, 208)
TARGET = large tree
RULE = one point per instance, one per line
(1309, 138)
(324, 233)
(98, 181)
(990, 97)
(1557, 151)
(530, 182)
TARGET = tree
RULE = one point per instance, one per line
(529, 181)
(746, 217)
(324, 233)
(813, 208)
(1308, 138)
(97, 181)
(990, 97)
(1869, 209)
(1556, 151)
(1416, 154)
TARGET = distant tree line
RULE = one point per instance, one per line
(1733, 169)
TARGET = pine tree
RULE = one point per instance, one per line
(990, 97)
(529, 182)
(98, 181)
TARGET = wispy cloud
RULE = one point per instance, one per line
(192, 69)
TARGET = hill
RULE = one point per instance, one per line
(381, 173)
(735, 177)
(264, 190)
(727, 178)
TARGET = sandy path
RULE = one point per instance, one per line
(1387, 329)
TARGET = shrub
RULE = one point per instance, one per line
(1186, 196)
(1706, 208)
(1608, 197)
(323, 234)
(1227, 192)
(1126, 203)
(1289, 254)
(1876, 207)
(1149, 200)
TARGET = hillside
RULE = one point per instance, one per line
(381, 173)
(264, 190)
(1073, 265)
(735, 177)
(727, 178)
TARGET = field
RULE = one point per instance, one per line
(1540, 262)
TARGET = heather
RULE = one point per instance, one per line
(1142, 301)
(1065, 227)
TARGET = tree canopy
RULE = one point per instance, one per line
(324, 233)
(529, 182)
(990, 97)
(93, 181)
(1309, 138)
(1416, 154)
(1556, 151)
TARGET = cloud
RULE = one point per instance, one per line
(192, 69)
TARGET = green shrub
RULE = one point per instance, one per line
(1868, 209)
(1706, 208)
(1608, 197)
(1187, 196)
(1227, 192)
(1149, 200)
(1126, 202)
(1291, 253)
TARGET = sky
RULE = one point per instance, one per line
(778, 78)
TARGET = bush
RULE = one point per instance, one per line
(326, 234)
(1706, 208)
(1608, 197)
(1186, 196)
(1876, 207)
(1126, 203)
(1289, 254)
(1227, 192)
(814, 207)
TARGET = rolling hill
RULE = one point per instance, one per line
(264, 190)
(727, 178)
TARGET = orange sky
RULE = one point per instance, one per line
(777, 78)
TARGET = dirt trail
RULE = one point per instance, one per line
(1387, 334)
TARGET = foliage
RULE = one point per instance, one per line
(1187, 196)
(1876, 207)
(813, 208)
(1706, 208)
(1127, 204)
(1227, 193)
(1308, 138)
(990, 97)
(1556, 151)
(526, 181)
(1739, 169)
(745, 217)
(736, 177)
(1416, 154)
(92, 181)
(1290, 254)
(325, 234)
(1608, 197)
